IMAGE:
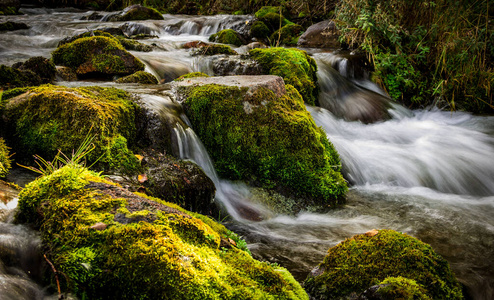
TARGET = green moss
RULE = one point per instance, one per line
(97, 54)
(402, 288)
(142, 13)
(364, 260)
(192, 75)
(227, 36)
(10, 26)
(133, 45)
(12, 77)
(171, 255)
(288, 35)
(139, 77)
(276, 144)
(259, 30)
(213, 49)
(49, 118)
(4, 158)
(86, 34)
(263, 11)
(294, 66)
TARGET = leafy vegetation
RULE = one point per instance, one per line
(267, 140)
(365, 260)
(426, 50)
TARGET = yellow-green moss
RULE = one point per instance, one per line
(226, 36)
(4, 158)
(276, 144)
(365, 260)
(213, 49)
(192, 75)
(12, 77)
(49, 118)
(173, 255)
(99, 54)
(294, 65)
(288, 35)
(141, 13)
(402, 288)
(139, 77)
(134, 45)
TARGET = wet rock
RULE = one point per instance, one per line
(41, 66)
(138, 77)
(131, 29)
(320, 35)
(12, 77)
(235, 65)
(133, 45)
(181, 182)
(65, 74)
(96, 56)
(211, 49)
(227, 36)
(11, 26)
(135, 12)
(94, 16)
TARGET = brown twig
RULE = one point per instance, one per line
(60, 296)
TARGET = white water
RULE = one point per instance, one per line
(426, 173)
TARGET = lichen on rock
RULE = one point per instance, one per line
(363, 261)
(149, 248)
(45, 119)
(295, 66)
(266, 138)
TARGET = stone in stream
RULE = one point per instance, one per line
(149, 249)
(139, 77)
(134, 12)
(320, 35)
(41, 66)
(402, 264)
(11, 26)
(227, 36)
(257, 129)
(5, 161)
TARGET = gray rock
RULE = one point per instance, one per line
(320, 35)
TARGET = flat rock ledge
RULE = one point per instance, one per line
(253, 82)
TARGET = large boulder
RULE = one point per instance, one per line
(112, 244)
(39, 65)
(12, 77)
(227, 36)
(43, 120)
(295, 66)
(135, 12)
(97, 56)
(358, 263)
(320, 35)
(257, 130)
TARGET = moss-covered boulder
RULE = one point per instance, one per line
(113, 244)
(9, 7)
(39, 65)
(45, 119)
(257, 131)
(272, 16)
(366, 260)
(5, 162)
(295, 66)
(259, 30)
(395, 288)
(11, 26)
(12, 77)
(65, 74)
(136, 12)
(96, 56)
(212, 49)
(227, 36)
(139, 77)
(128, 44)
(288, 35)
(192, 75)
(134, 45)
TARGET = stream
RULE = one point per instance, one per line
(427, 173)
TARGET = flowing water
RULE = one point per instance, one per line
(428, 173)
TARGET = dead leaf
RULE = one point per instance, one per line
(142, 178)
(372, 232)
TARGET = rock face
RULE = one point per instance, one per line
(112, 244)
(96, 56)
(360, 262)
(181, 182)
(320, 35)
(258, 130)
(135, 12)
(48, 118)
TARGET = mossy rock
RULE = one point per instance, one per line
(263, 11)
(41, 66)
(11, 26)
(5, 162)
(113, 244)
(266, 139)
(48, 118)
(400, 288)
(365, 260)
(139, 77)
(86, 34)
(295, 66)
(128, 44)
(12, 77)
(288, 35)
(259, 30)
(227, 36)
(96, 56)
(133, 45)
(137, 12)
(213, 49)
(192, 75)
